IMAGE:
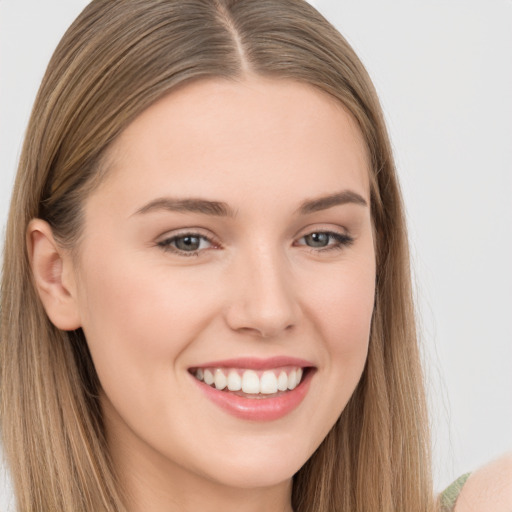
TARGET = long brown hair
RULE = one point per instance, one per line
(114, 61)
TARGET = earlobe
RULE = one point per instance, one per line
(51, 268)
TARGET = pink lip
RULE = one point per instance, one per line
(253, 363)
(258, 409)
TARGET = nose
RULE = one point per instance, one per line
(263, 301)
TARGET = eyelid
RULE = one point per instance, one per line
(342, 240)
(322, 228)
(164, 241)
(174, 233)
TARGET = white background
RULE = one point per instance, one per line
(443, 70)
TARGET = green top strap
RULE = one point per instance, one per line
(451, 493)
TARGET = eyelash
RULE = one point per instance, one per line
(342, 241)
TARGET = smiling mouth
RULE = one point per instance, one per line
(250, 383)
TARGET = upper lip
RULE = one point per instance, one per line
(255, 363)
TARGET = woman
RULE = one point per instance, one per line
(206, 265)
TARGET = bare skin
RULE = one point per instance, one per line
(489, 488)
(282, 273)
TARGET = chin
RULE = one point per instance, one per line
(264, 468)
(251, 476)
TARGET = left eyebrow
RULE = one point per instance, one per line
(325, 202)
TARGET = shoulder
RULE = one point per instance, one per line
(488, 488)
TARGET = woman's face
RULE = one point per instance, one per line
(231, 240)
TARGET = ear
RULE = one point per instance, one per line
(52, 268)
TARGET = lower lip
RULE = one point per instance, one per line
(258, 409)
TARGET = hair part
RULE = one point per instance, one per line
(116, 60)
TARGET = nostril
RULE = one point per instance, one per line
(266, 331)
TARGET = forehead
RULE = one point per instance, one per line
(251, 136)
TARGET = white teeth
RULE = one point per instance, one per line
(250, 382)
(208, 377)
(220, 379)
(282, 381)
(234, 381)
(268, 383)
(292, 380)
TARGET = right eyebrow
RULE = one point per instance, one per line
(190, 205)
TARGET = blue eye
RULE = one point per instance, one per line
(188, 244)
(192, 244)
(326, 240)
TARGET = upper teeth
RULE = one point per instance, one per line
(251, 381)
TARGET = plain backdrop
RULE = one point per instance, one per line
(443, 71)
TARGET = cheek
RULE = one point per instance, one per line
(135, 318)
(342, 304)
